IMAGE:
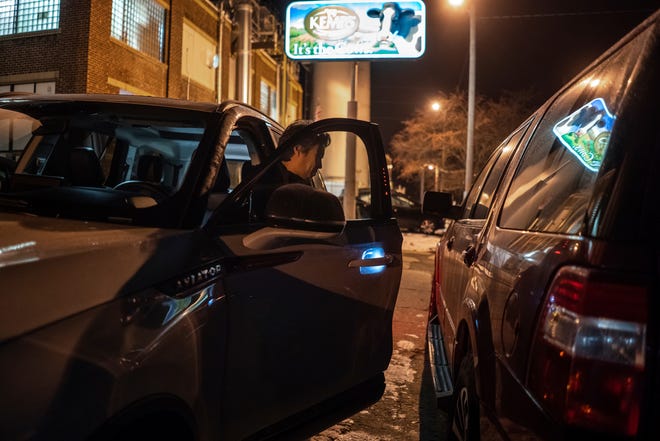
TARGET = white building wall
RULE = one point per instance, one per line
(330, 97)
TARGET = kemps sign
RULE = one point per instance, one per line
(358, 29)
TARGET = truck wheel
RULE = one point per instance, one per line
(464, 411)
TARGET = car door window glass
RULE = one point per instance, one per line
(334, 170)
(487, 195)
(555, 178)
(329, 177)
(475, 191)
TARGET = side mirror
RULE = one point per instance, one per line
(298, 211)
(440, 204)
(303, 207)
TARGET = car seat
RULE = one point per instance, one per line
(150, 168)
(85, 168)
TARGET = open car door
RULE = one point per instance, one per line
(310, 290)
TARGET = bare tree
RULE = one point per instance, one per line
(438, 138)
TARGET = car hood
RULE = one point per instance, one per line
(53, 268)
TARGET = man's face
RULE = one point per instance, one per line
(308, 162)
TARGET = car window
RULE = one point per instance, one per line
(15, 132)
(105, 161)
(398, 200)
(104, 149)
(241, 156)
(487, 194)
(556, 175)
(251, 203)
(475, 191)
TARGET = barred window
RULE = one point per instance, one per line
(140, 24)
(20, 16)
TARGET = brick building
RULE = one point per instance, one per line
(174, 48)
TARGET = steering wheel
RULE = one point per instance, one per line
(144, 188)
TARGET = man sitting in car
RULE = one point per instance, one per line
(298, 165)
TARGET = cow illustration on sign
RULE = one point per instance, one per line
(398, 28)
(358, 29)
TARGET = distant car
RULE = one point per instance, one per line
(407, 212)
(143, 300)
(544, 312)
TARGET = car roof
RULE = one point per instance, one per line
(652, 20)
(110, 98)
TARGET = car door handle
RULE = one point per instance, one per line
(377, 261)
(450, 243)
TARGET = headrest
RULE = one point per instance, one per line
(85, 168)
(150, 168)
(248, 170)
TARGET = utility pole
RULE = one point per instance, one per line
(349, 174)
(469, 153)
(244, 19)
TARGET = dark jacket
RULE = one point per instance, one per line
(276, 176)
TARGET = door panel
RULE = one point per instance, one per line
(309, 316)
(461, 238)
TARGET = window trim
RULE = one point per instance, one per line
(163, 29)
(35, 7)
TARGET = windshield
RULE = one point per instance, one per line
(103, 161)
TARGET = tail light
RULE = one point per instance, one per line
(588, 358)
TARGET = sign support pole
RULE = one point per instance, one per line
(349, 175)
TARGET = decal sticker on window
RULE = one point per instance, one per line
(586, 132)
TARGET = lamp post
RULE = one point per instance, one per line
(421, 184)
(469, 148)
(422, 178)
(436, 107)
(435, 176)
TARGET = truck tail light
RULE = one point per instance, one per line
(587, 362)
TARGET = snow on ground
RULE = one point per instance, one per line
(419, 242)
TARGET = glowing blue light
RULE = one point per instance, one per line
(372, 253)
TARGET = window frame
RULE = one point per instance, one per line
(36, 7)
(120, 27)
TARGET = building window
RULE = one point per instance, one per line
(268, 99)
(46, 87)
(20, 16)
(140, 24)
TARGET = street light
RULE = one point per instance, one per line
(469, 148)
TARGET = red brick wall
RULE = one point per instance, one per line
(64, 50)
(111, 58)
(206, 22)
(85, 56)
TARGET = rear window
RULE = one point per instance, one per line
(555, 178)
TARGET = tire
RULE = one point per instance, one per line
(463, 424)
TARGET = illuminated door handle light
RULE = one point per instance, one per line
(373, 261)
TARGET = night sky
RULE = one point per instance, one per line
(521, 45)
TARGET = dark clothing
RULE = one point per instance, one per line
(276, 176)
(280, 175)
